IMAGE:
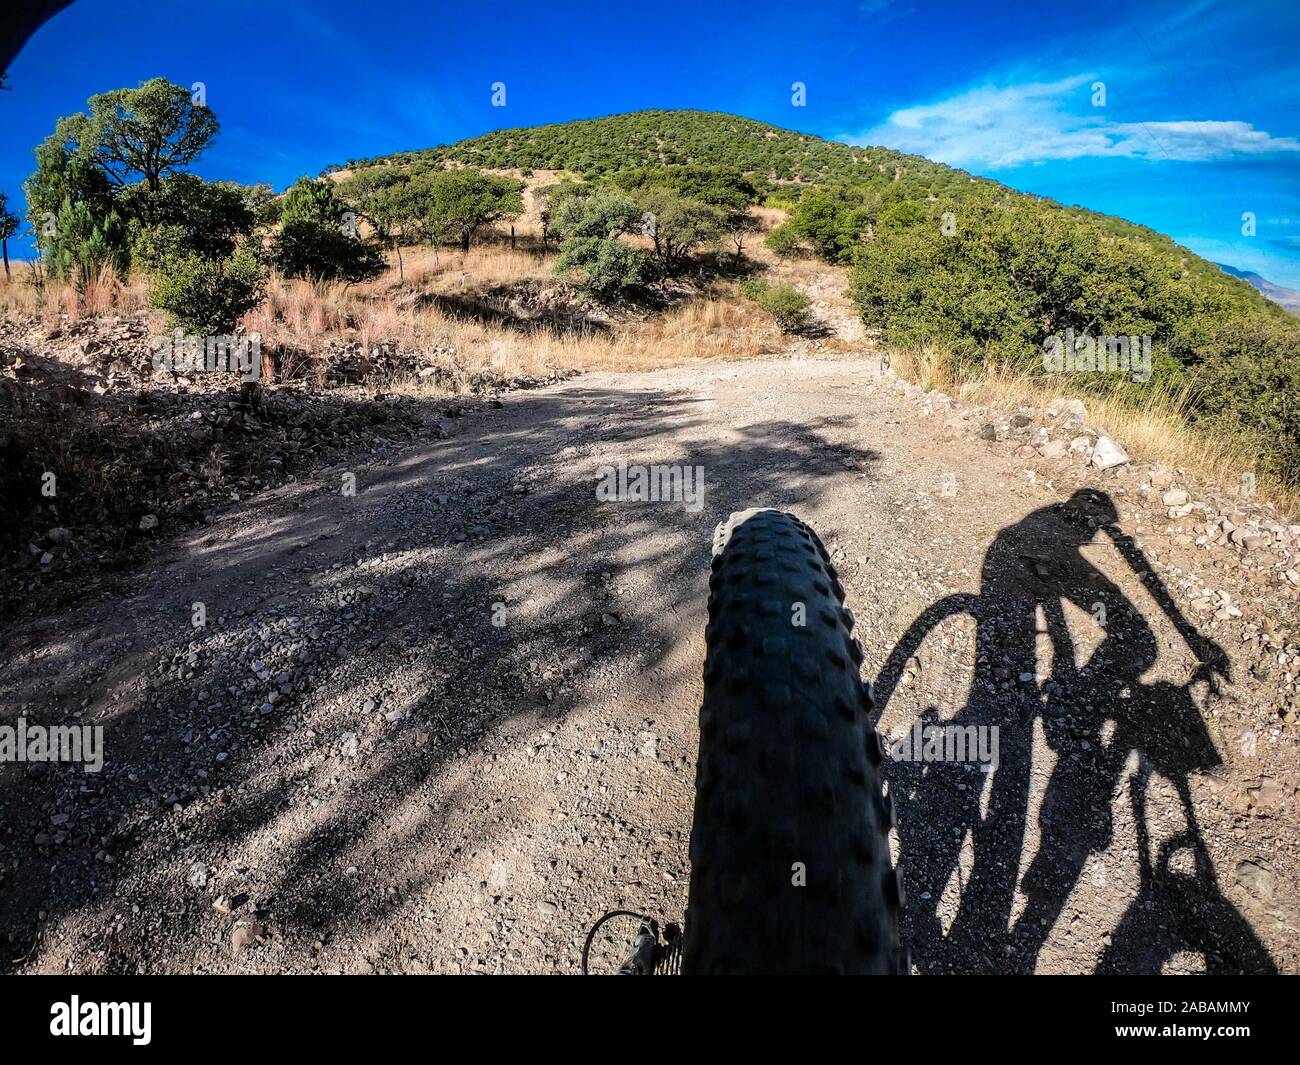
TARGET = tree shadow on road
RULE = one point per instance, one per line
(1097, 717)
(396, 588)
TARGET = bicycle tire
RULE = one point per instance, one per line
(788, 779)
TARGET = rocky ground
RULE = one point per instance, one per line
(442, 723)
(141, 454)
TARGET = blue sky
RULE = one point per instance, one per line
(1201, 121)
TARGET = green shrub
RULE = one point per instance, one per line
(9, 223)
(785, 303)
(81, 243)
(782, 240)
(317, 237)
(316, 201)
(1251, 385)
(589, 220)
(678, 224)
(720, 187)
(463, 201)
(320, 252)
(831, 220)
(206, 296)
(186, 215)
(781, 203)
(1010, 276)
(1007, 278)
(579, 211)
(606, 267)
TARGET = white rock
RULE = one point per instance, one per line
(1175, 497)
(1108, 454)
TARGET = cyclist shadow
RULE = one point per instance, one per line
(962, 826)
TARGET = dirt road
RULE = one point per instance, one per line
(443, 723)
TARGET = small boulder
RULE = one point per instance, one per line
(1108, 454)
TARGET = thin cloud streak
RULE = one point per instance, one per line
(993, 127)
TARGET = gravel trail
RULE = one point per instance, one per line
(443, 723)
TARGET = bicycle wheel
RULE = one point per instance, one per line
(790, 862)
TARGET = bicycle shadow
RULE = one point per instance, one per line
(1097, 718)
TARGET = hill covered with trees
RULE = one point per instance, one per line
(940, 257)
(598, 146)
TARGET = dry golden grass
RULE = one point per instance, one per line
(440, 302)
(107, 293)
(1156, 430)
(433, 312)
(437, 309)
(769, 217)
(715, 326)
(481, 268)
(707, 328)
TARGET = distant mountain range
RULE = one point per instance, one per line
(1283, 297)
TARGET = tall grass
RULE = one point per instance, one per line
(1156, 427)
(432, 311)
(27, 293)
(437, 308)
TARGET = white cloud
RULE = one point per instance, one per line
(1198, 141)
(993, 127)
